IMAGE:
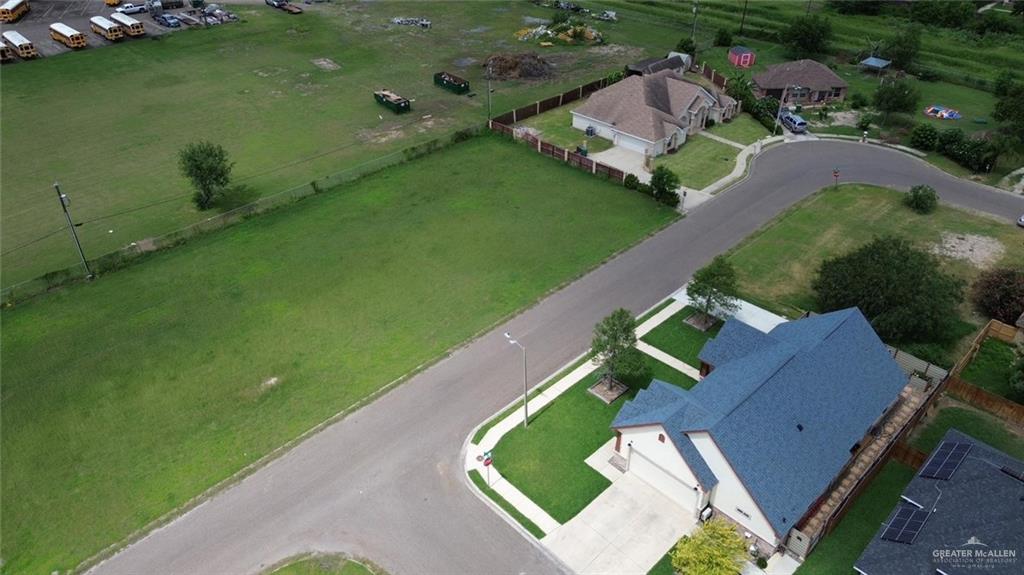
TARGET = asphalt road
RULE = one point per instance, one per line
(386, 482)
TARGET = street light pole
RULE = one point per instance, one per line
(64, 201)
(488, 89)
(526, 411)
(693, 31)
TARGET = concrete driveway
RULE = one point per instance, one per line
(626, 530)
(623, 159)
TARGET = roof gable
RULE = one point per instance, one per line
(806, 73)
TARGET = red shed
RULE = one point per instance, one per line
(741, 56)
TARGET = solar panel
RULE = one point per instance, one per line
(905, 526)
(946, 459)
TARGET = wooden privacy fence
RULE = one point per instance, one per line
(713, 75)
(994, 328)
(568, 156)
(997, 405)
(541, 106)
(908, 455)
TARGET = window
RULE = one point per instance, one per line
(661, 437)
(836, 92)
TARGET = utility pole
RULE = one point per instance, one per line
(743, 18)
(526, 411)
(64, 201)
(693, 31)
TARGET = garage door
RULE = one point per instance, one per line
(655, 476)
(629, 143)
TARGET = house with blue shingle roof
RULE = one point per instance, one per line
(775, 420)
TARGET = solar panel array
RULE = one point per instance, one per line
(905, 526)
(945, 460)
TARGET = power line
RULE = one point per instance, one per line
(37, 240)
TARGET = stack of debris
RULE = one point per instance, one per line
(512, 66)
(421, 22)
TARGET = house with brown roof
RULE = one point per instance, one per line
(804, 82)
(652, 113)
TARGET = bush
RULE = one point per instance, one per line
(900, 289)
(864, 122)
(949, 139)
(561, 17)
(762, 563)
(686, 46)
(1004, 83)
(710, 123)
(922, 199)
(664, 180)
(926, 75)
(858, 101)
(924, 137)
(723, 37)
(631, 182)
(998, 293)
(645, 189)
(808, 35)
(669, 198)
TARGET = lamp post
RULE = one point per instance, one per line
(64, 201)
(526, 412)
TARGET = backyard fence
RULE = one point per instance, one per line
(712, 74)
(930, 372)
(994, 328)
(908, 455)
(556, 101)
(124, 256)
(1005, 409)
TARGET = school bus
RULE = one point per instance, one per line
(131, 26)
(106, 28)
(20, 44)
(11, 10)
(67, 35)
(111, 2)
(6, 54)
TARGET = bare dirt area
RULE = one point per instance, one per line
(525, 65)
(980, 251)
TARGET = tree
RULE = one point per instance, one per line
(686, 46)
(896, 96)
(714, 549)
(1004, 83)
(903, 47)
(723, 37)
(714, 287)
(922, 199)
(206, 165)
(808, 35)
(664, 180)
(998, 293)
(900, 289)
(924, 137)
(1010, 109)
(614, 346)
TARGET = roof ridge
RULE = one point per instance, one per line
(759, 385)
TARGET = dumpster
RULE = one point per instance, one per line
(392, 101)
(451, 82)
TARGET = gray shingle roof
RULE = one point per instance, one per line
(735, 340)
(979, 501)
(654, 65)
(829, 374)
(806, 73)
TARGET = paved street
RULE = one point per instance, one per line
(386, 482)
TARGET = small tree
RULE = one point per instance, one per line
(1010, 111)
(896, 96)
(998, 293)
(664, 180)
(1004, 83)
(903, 47)
(924, 137)
(686, 46)
(714, 286)
(723, 37)
(808, 35)
(631, 182)
(900, 289)
(613, 346)
(714, 549)
(206, 165)
(922, 199)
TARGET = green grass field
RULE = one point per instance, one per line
(973, 422)
(324, 565)
(777, 264)
(555, 127)
(992, 367)
(836, 554)
(742, 129)
(160, 387)
(679, 339)
(546, 460)
(251, 86)
(481, 483)
(700, 162)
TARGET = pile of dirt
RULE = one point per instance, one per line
(505, 66)
(980, 251)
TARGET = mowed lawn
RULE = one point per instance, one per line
(742, 129)
(974, 422)
(838, 551)
(546, 461)
(700, 162)
(555, 126)
(680, 339)
(108, 122)
(125, 397)
(992, 367)
(777, 264)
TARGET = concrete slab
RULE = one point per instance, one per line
(748, 313)
(626, 160)
(599, 461)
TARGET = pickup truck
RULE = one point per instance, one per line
(131, 8)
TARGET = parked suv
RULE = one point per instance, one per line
(794, 123)
(167, 20)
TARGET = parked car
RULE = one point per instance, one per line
(167, 21)
(131, 8)
(1020, 221)
(794, 123)
(276, 3)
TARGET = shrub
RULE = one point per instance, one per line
(922, 199)
(561, 17)
(858, 101)
(762, 563)
(664, 180)
(669, 198)
(710, 123)
(924, 137)
(864, 122)
(949, 139)
(1004, 83)
(686, 46)
(631, 182)
(998, 293)
(808, 35)
(723, 37)
(927, 75)
(645, 189)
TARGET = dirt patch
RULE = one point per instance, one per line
(847, 118)
(379, 136)
(980, 251)
(478, 30)
(700, 321)
(615, 50)
(608, 393)
(505, 66)
(325, 64)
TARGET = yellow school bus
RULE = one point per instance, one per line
(6, 54)
(131, 26)
(20, 44)
(106, 28)
(11, 10)
(111, 2)
(67, 35)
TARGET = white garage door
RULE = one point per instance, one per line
(630, 143)
(663, 481)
